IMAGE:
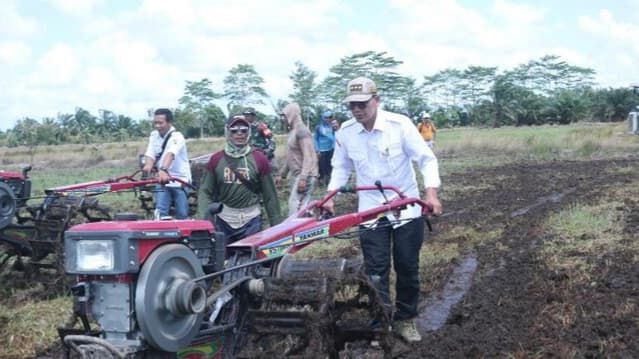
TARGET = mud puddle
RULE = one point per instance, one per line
(435, 309)
(554, 197)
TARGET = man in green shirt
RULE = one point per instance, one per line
(239, 177)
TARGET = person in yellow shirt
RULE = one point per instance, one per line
(427, 129)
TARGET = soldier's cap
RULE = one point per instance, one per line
(233, 119)
(249, 111)
(360, 89)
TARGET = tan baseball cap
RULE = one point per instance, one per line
(360, 89)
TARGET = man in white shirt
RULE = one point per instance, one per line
(380, 146)
(167, 151)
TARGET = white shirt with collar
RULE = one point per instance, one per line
(176, 145)
(385, 153)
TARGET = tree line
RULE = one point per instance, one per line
(547, 90)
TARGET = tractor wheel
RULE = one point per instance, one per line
(7, 205)
(160, 310)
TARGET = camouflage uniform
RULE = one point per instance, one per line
(262, 137)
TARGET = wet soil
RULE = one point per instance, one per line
(503, 314)
(493, 303)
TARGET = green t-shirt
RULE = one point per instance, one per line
(221, 184)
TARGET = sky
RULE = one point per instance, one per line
(128, 56)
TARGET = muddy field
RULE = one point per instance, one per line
(503, 295)
(515, 305)
(500, 297)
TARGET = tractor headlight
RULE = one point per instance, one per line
(95, 255)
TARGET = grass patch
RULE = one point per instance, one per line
(435, 255)
(31, 328)
(579, 235)
(510, 144)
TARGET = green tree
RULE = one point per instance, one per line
(445, 88)
(378, 66)
(409, 99)
(48, 132)
(105, 124)
(613, 104)
(305, 91)
(85, 123)
(549, 74)
(198, 96)
(477, 81)
(243, 87)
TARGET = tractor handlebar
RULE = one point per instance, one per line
(112, 185)
(396, 203)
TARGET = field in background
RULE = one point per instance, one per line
(66, 164)
(586, 228)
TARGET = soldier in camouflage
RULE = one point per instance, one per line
(261, 136)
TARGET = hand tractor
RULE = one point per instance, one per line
(36, 231)
(175, 289)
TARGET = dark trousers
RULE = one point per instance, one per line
(404, 242)
(235, 234)
(325, 167)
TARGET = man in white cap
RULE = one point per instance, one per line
(380, 146)
(427, 129)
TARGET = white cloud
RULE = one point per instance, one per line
(57, 67)
(618, 47)
(141, 56)
(100, 80)
(14, 52)
(520, 14)
(13, 24)
(606, 25)
(588, 24)
(77, 7)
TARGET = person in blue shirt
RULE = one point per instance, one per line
(324, 139)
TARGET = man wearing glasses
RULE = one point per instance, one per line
(238, 177)
(381, 146)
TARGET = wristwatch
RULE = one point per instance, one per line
(164, 168)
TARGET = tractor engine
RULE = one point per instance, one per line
(134, 280)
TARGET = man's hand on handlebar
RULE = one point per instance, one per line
(163, 176)
(147, 168)
(329, 207)
(433, 201)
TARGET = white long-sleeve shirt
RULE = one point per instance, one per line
(176, 145)
(385, 153)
